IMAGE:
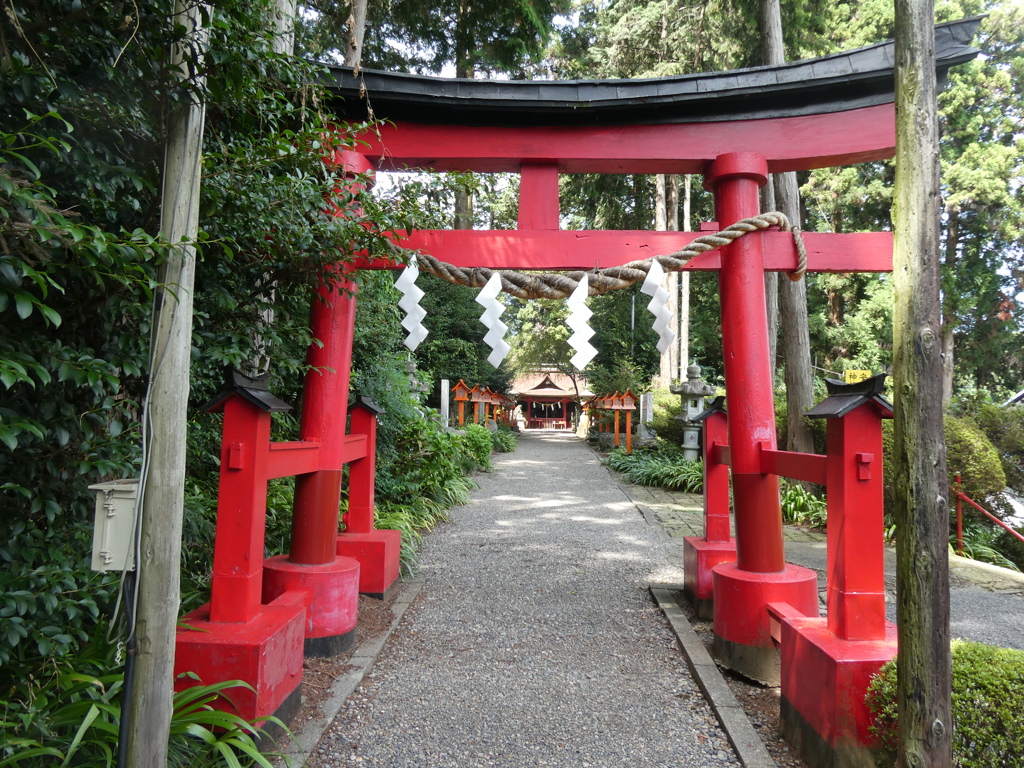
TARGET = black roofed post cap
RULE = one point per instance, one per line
(843, 398)
(254, 389)
(366, 402)
(717, 406)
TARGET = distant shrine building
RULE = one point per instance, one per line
(549, 399)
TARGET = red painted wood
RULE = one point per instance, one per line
(587, 249)
(716, 480)
(856, 529)
(788, 144)
(721, 454)
(324, 411)
(295, 458)
(809, 467)
(237, 580)
(354, 447)
(736, 180)
(359, 518)
(538, 196)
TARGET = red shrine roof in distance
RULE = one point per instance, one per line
(548, 385)
(838, 82)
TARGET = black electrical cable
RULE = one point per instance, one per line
(131, 646)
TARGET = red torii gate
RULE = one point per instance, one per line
(733, 128)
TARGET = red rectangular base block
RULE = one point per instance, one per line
(266, 653)
(378, 553)
(824, 680)
(699, 557)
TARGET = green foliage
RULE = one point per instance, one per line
(478, 441)
(666, 408)
(662, 465)
(988, 706)
(801, 506)
(970, 453)
(983, 542)
(503, 440)
(1005, 428)
(69, 714)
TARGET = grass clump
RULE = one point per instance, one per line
(662, 466)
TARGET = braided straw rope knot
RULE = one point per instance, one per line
(560, 285)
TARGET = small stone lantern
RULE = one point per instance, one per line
(692, 392)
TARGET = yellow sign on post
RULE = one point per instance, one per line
(852, 377)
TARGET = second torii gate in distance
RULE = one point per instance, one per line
(733, 128)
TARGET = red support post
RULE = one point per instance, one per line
(237, 581)
(361, 473)
(616, 428)
(856, 529)
(760, 575)
(735, 180)
(325, 407)
(702, 553)
(959, 517)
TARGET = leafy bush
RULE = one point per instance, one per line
(982, 542)
(503, 440)
(662, 466)
(666, 407)
(1011, 547)
(1005, 428)
(70, 715)
(988, 706)
(478, 439)
(971, 453)
(801, 506)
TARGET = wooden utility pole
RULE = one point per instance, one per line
(920, 483)
(356, 28)
(159, 541)
(666, 215)
(796, 338)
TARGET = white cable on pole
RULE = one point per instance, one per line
(410, 304)
(579, 321)
(496, 330)
(654, 287)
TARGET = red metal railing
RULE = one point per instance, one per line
(961, 497)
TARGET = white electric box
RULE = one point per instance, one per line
(115, 521)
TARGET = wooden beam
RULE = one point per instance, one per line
(585, 250)
(810, 467)
(788, 144)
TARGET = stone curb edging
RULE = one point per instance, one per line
(731, 715)
(304, 741)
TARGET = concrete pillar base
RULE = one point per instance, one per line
(700, 556)
(265, 652)
(743, 641)
(332, 598)
(379, 555)
(824, 680)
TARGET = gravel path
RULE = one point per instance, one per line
(535, 641)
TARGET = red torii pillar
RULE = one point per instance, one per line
(760, 574)
(315, 540)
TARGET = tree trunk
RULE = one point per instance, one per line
(666, 213)
(920, 483)
(684, 289)
(771, 288)
(356, 28)
(796, 339)
(159, 540)
(284, 27)
(949, 308)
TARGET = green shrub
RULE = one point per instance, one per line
(503, 440)
(971, 453)
(988, 706)
(1011, 547)
(70, 715)
(662, 466)
(801, 506)
(1005, 428)
(478, 439)
(666, 407)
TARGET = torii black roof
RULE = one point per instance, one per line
(841, 81)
